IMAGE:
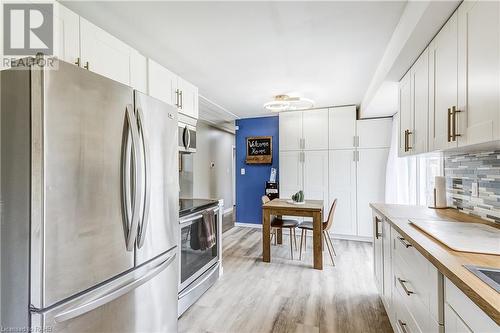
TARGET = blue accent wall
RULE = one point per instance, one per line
(250, 187)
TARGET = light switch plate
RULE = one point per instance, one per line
(475, 189)
(242, 171)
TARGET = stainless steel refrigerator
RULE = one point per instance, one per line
(89, 180)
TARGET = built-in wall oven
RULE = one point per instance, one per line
(199, 268)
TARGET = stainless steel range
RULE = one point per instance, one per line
(199, 267)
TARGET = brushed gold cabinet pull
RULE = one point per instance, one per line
(177, 97)
(77, 61)
(409, 147)
(182, 99)
(450, 135)
(402, 283)
(454, 112)
(86, 65)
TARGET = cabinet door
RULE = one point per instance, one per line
(443, 83)
(66, 34)
(370, 185)
(290, 126)
(162, 83)
(138, 71)
(374, 133)
(405, 114)
(291, 171)
(103, 53)
(188, 99)
(420, 104)
(342, 186)
(387, 267)
(452, 322)
(316, 177)
(478, 72)
(342, 127)
(315, 129)
(378, 252)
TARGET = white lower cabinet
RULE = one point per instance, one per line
(410, 287)
(462, 315)
(416, 296)
(453, 323)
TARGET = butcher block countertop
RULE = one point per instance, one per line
(447, 261)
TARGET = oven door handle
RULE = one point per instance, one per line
(199, 283)
(191, 218)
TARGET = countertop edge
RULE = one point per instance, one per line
(477, 298)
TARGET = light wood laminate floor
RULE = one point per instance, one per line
(289, 296)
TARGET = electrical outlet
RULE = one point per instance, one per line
(475, 189)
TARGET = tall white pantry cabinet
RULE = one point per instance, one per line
(329, 154)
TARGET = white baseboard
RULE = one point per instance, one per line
(248, 225)
(285, 232)
(228, 210)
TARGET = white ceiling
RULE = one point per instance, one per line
(240, 54)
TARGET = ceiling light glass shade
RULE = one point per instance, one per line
(286, 103)
(277, 106)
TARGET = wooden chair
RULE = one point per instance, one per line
(326, 235)
(280, 223)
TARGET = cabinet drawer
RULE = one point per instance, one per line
(469, 313)
(413, 291)
(404, 320)
(423, 277)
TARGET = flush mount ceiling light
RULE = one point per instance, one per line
(287, 103)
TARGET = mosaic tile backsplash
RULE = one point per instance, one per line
(462, 171)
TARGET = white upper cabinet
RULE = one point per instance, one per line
(138, 71)
(374, 133)
(478, 72)
(420, 104)
(103, 53)
(405, 115)
(290, 127)
(186, 96)
(315, 129)
(66, 34)
(316, 176)
(443, 81)
(162, 83)
(342, 127)
(342, 186)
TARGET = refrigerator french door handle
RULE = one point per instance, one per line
(113, 293)
(137, 172)
(147, 172)
(185, 137)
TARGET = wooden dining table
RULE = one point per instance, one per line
(281, 207)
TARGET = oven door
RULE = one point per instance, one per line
(187, 138)
(193, 260)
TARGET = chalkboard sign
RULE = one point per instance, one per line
(259, 150)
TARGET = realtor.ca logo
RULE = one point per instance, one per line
(28, 30)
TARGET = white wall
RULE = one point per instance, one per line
(213, 146)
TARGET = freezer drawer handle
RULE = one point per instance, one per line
(131, 209)
(112, 294)
(147, 188)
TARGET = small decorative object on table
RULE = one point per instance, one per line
(298, 198)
